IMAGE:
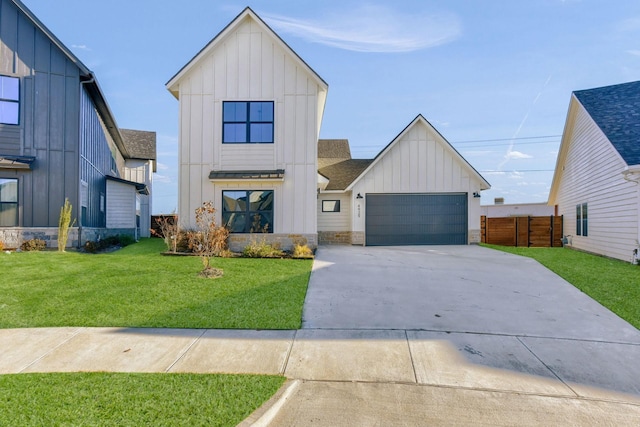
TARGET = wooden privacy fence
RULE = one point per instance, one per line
(529, 231)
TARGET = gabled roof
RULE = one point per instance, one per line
(420, 119)
(173, 83)
(87, 78)
(343, 173)
(616, 111)
(140, 144)
(331, 151)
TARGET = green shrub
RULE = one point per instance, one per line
(120, 240)
(33, 245)
(262, 249)
(302, 251)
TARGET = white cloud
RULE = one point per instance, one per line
(634, 52)
(373, 29)
(162, 179)
(493, 173)
(516, 175)
(80, 47)
(162, 166)
(511, 155)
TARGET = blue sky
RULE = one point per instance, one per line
(493, 76)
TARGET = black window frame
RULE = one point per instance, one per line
(4, 100)
(248, 122)
(16, 202)
(336, 206)
(249, 214)
(582, 220)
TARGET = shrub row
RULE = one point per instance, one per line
(121, 240)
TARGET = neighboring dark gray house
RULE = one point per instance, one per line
(59, 139)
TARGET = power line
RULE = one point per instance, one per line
(516, 170)
(506, 139)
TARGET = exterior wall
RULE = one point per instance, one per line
(420, 162)
(335, 227)
(12, 237)
(521, 209)
(48, 129)
(121, 205)
(96, 153)
(141, 171)
(250, 65)
(592, 173)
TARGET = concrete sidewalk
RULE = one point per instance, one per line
(399, 377)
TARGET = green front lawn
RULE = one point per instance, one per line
(92, 399)
(613, 283)
(138, 287)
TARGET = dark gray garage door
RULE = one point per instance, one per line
(416, 219)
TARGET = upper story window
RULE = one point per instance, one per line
(9, 100)
(247, 122)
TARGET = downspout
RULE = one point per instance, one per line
(80, 128)
(632, 174)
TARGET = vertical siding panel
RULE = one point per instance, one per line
(41, 111)
(256, 65)
(40, 193)
(232, 62)
(8, 36)
(288, 121)
(431, 165)
(58, 62)
(43, 53)
(57, 97)
(56, 189)
(208, 119)
(267, 75)
(299, 145)
(26, 57)
(27, 116)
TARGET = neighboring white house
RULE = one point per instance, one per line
(595, 185)
(250, 117)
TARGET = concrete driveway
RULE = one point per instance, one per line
(498, 310)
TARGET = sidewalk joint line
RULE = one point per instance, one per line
(75, 334)
(186, 350)
(547, 366)
(286, 359)
(413, 363)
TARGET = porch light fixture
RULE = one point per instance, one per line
(476, 194)
(359, 196)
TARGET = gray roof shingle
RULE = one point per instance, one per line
(343, 173)
(140, 144)
(616, 110)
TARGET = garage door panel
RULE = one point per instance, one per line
(416, 219)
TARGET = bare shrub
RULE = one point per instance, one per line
(208, 240)
(169, 231)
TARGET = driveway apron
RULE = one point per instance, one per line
(497, 309)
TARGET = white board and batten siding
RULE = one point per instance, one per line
(335, 221)
(251, 64)
(592, 174)
(121, 205)
(420, 161)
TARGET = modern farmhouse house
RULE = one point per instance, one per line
(250, 116)
(596, 184)
(59, 139)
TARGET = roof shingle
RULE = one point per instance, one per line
(616, 110)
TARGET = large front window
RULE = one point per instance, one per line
(9, 100)
(248, 211)
(8, 202)
(247, 122)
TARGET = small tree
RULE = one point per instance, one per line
(169, 231)
(64, 223)
(208, 240)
